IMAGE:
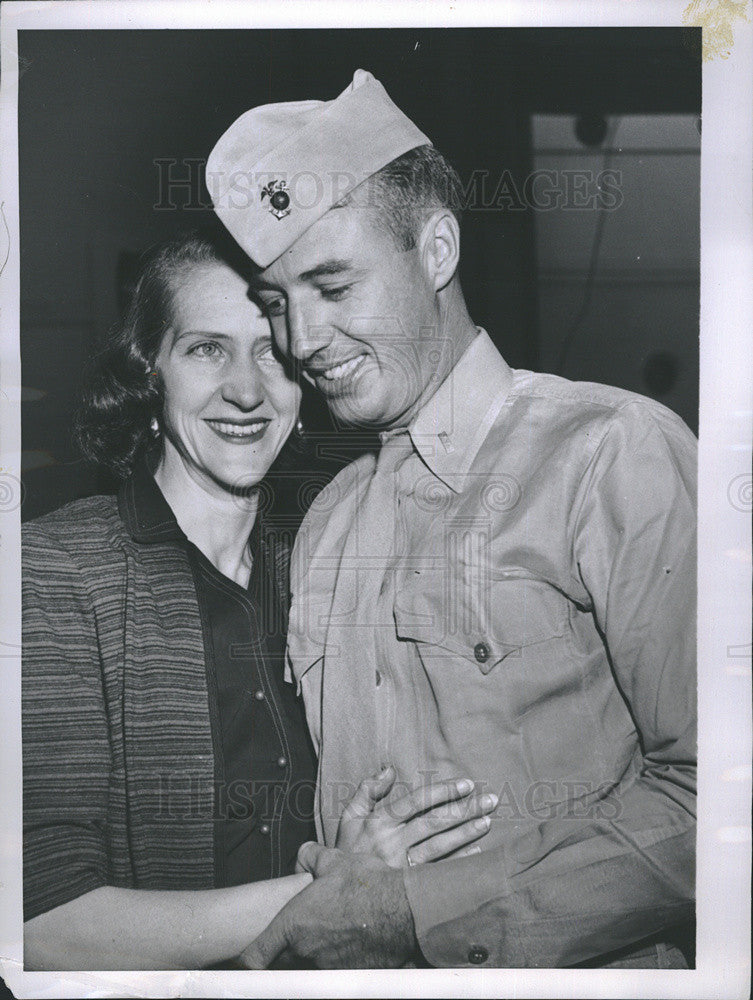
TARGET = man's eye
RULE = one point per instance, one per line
(274, 307)
(207, 349)
(334, 294)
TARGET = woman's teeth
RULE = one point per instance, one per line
(238, 430)
(346, 368)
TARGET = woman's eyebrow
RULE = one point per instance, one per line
(179, 335)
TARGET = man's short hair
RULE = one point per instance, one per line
(408, 190)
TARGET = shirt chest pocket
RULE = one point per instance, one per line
(483, 620)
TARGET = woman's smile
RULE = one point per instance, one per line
(239, 431)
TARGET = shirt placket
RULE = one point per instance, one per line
(388, 654)
(383, 679)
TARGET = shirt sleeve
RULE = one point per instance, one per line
(572, 889)
(66, 752)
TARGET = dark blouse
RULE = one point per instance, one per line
(264, 761)
(162, 748)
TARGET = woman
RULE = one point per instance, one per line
(168, 775)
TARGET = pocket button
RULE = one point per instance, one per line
(477, 954)
(481, 652)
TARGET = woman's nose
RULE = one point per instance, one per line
(243, 385)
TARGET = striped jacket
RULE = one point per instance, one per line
(117, 745)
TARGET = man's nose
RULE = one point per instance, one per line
(307, 333)
(243, 385)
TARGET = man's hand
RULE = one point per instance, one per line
(354, 915)
(416, 826)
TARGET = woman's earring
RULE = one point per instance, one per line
(154, 427)
(299, 428)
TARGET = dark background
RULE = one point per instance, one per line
(604, 296)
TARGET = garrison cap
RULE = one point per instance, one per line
(280, 167)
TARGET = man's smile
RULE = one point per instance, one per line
(338, 376)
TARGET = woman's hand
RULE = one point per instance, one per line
(413, 827)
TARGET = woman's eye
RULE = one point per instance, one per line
(205, 350)
(267, 356)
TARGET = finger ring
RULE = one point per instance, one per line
(411, 864)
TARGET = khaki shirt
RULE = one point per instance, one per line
(535, 631)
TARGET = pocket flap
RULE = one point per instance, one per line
(485, 624)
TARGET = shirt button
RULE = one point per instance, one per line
(264, 828)
(378, 679)
(481, 652)
(282, 761)
(477, 954)
(259, 695)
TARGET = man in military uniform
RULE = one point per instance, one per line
(505, 592)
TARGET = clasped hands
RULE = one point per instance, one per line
(355, 914)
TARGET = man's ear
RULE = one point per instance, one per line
(439, 245)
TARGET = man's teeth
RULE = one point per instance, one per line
(344, 369)
(238, 430)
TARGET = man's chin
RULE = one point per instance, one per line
(365, 414)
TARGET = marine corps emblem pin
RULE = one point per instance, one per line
(279, 198)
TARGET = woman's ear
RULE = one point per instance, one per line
(440, 247)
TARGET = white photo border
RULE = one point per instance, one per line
(724, 555)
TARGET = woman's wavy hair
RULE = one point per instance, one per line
(122, 391)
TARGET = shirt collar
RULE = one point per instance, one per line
(149, 518)
(451, 427)
(145, 512)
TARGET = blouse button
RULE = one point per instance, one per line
(259, 695)
(264, 828)
(481, 652)
(282, 761)
(477, 954)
